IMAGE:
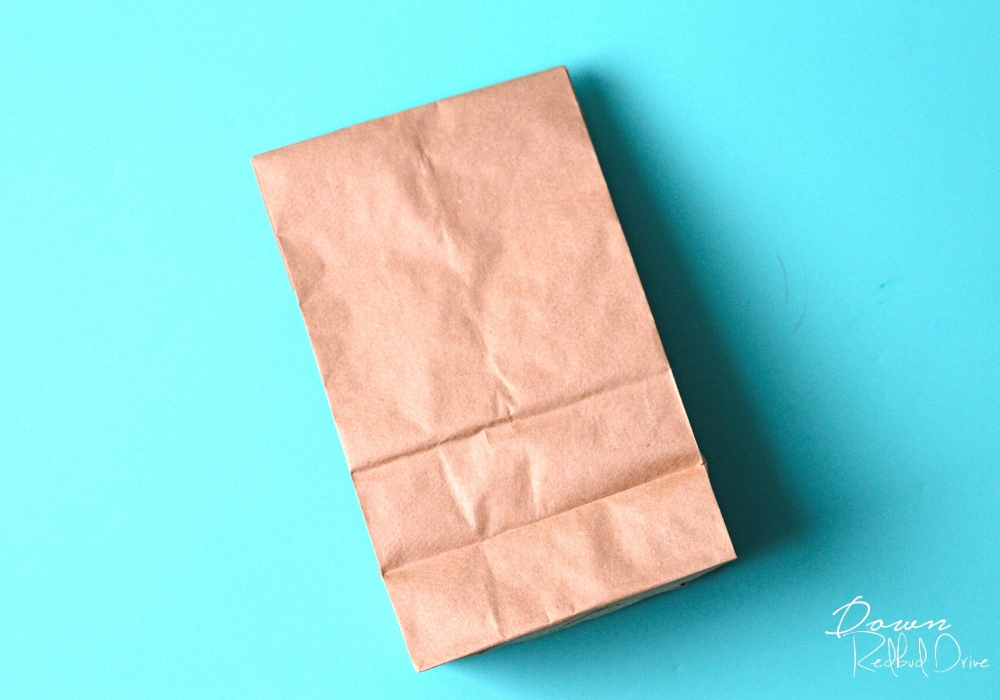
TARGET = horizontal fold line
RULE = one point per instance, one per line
(701, 464)
(525, 415)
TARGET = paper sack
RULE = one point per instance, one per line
(513, 430)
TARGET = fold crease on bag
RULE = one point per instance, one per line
(512, 427)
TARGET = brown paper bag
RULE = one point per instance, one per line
(512, 427)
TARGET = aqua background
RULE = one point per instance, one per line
(812, 196)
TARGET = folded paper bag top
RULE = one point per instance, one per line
(511, 424)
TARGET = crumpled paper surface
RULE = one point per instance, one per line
(512, 426)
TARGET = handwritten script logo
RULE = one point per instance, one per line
(869, 637)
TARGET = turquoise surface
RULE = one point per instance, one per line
(812, 196)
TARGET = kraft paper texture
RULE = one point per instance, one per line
(512, 426)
